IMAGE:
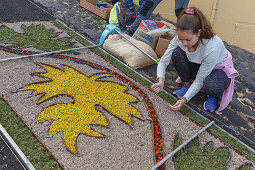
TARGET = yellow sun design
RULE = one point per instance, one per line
(87, 92)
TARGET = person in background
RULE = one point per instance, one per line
(132, 11)
(147, 9)
(201, 61)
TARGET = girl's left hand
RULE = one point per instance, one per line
(178, 105)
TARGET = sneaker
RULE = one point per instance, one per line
(181, 92)
(211, 103)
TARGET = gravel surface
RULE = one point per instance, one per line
(123, 147)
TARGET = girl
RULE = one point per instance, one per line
(201, 61)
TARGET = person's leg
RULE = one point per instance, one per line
(141, 3)
(144, 14)
(132, 13)
(131, 7)
(180, 5)
(193, 70)
(185, 69)
(216, 83)
(214, 86)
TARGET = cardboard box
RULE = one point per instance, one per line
(97, 7)
(162, 45)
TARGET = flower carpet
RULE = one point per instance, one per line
(89, 114)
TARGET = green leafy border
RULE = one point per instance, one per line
(204, 155)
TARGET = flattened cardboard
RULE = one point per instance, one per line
(162, 45)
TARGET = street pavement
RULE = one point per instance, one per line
(238, 118)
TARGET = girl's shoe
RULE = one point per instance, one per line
(181, 92)
(211, 103)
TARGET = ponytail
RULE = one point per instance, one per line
(194, 20)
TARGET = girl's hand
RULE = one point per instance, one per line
(157, 87)
(178, 105)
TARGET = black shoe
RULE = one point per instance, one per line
(130, 21)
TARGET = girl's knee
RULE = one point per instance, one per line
(178, 54)
(216, 83)
(211, 88)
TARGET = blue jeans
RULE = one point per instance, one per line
(131, 7)
(179, 6)
(131, 30)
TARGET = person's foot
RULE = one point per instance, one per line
(130, 20)
(181, 92)
(211, 103)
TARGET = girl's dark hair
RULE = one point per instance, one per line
(193, 19)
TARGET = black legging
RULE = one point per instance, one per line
(214, 84)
